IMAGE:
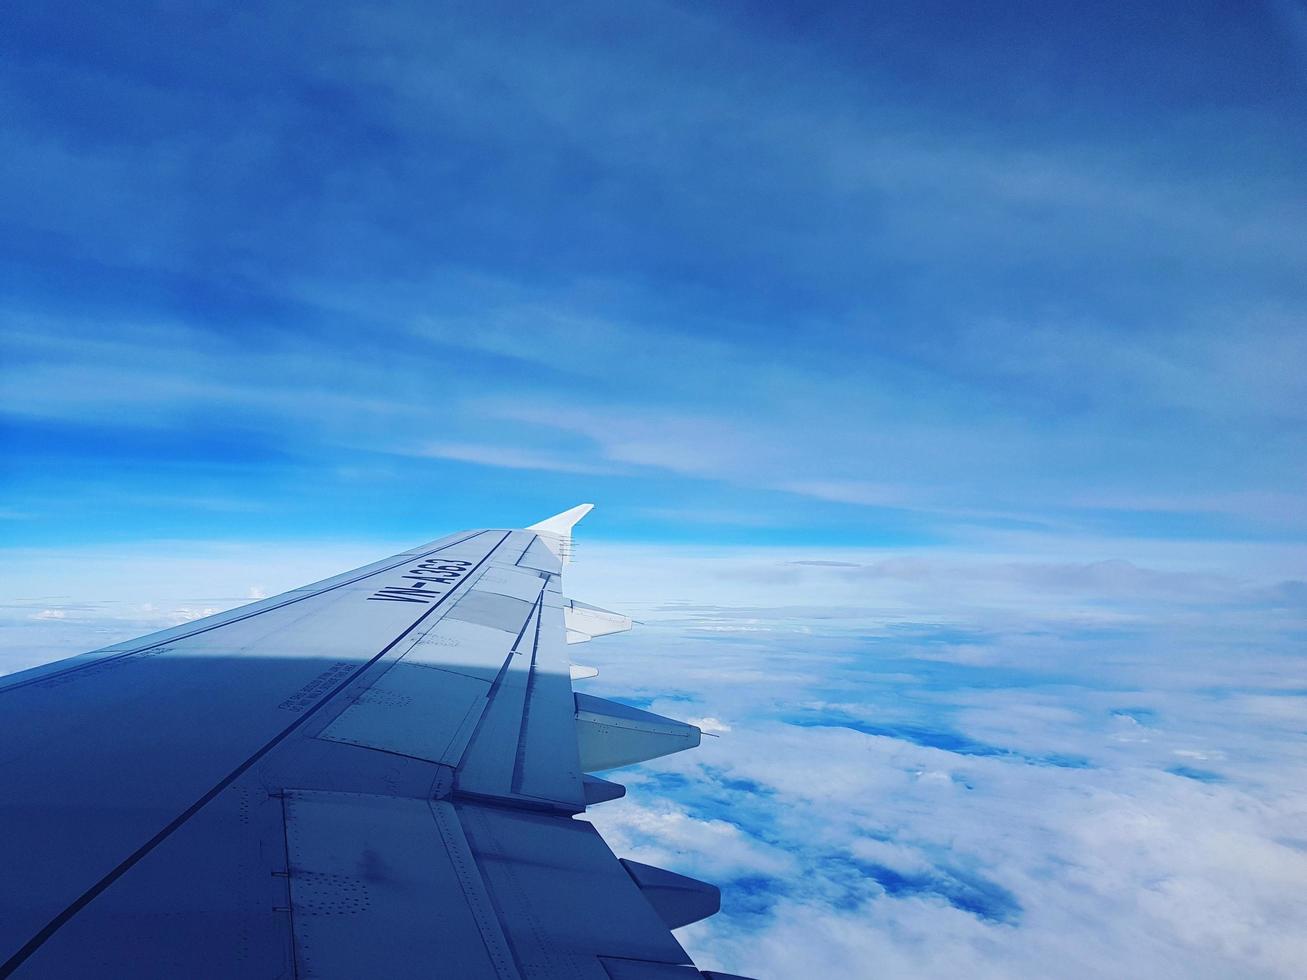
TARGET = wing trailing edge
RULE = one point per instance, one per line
(611, 735)
(584, 622)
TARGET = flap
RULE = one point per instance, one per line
(677, 899)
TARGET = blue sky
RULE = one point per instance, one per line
(937, 370)
(804, 274)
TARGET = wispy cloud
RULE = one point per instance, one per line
(801, 282)
(510, 457)
(999, 349)
(930, 758)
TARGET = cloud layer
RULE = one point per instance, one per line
(950, 356)
(927, 761)
(1073, 770)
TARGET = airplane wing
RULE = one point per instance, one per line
(378, 775)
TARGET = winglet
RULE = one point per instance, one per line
(564, 522)
(556, 532)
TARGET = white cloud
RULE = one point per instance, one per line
(667, 836)
(510, 457)
(998, 824)
(710, 724)
(929, 762)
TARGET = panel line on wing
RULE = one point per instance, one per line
(371, 877)
(486, 767)
(100, 661)
(33, 944)
(475, 892)
(497, 684)
(428, 703)
(526, 709)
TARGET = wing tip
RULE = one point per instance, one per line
(564, 522)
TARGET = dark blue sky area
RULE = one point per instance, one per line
(784, 272)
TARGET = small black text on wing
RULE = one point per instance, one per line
(423, 581)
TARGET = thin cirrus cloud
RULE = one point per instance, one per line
(509, 457)
(965, 310)
(987, 323)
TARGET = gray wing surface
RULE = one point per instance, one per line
(379, 775)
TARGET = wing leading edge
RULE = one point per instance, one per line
(381, 774)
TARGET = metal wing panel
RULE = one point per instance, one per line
(540, 557)
(488, 765)
(548, 762)
(520, 584)
(369, 776)
(464, 648)
(105, 758)
(203, 904)
(375, 891)
(566, 899)
(423, 712)
(499, 612)
(74, 664)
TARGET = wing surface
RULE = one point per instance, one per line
(381, 774)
